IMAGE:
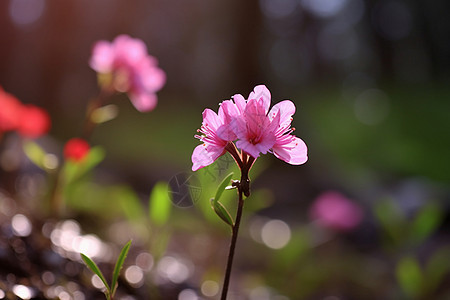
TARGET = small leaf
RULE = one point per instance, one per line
(35, 153)
(104, 114)
(130, 203)
(75, 170)
(391, 219)
(118, 267)
(410, 276)
(222, 186)
(222, 212)
(426, 221)
(94, 268)
(160, 204)
(437, 267)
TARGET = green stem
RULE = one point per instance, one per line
(233, 244)
(56, 197)
(96, 103)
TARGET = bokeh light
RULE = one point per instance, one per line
(24, 12)
(188, 294)
(276, 234)
(173, 269)
(210, 288)
(23, 292)
(21, 225)
(135, 276)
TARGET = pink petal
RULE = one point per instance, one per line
(255, 117)
(102, 57)
(240, 102)
(294, 153)
(143, 101)
(248, 147)
(286, 109)
(211, 119)
(153, 79)
(261, 92)
(129, 49)
(204, 155)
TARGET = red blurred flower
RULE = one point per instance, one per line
(28, 120)
(76, 149)
(33, 121)
(10, 108)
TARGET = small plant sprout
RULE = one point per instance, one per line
(110, 290)
(245, 129)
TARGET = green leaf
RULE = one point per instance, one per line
(75, 170)
(105, 113)
(160, 204)
(222, 212)
(94, 268)
(35, 153)
(222, 186)
(391, 218)
(409, 275)
(426, 221)
(118, 267)
(129, 201)
(437, 266)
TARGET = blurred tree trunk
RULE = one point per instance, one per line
(247, 50)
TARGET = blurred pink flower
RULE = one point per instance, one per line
(333, 210)
(255, 129)
(130, 69)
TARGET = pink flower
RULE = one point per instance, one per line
(255, 129)
(215, 136)
(260, 130)
(76, 149)
(130, 68)
(333, 210)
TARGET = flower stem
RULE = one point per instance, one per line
(233, 244)
(95, 103)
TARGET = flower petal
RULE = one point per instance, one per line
(129, 49)
(102, 57)
(294, 153)
(261, 92)
(204, 155)
(144, 101)
(240, 102)
(286, 109)
(153, 79)
(211, 119)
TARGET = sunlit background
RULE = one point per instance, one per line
(367, 217)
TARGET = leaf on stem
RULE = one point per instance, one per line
(73, 170)
(218, 207)
(222, 186)
(105, 113)
(35, 153)
(222, 212)
(94, 268)
(118, 267)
